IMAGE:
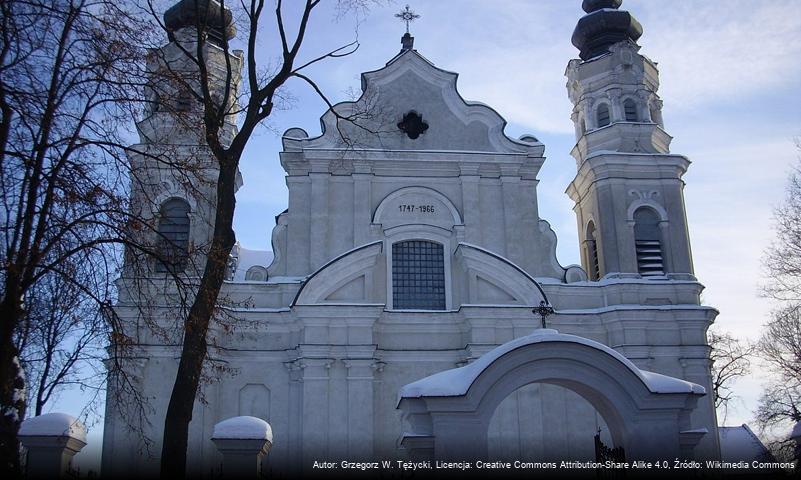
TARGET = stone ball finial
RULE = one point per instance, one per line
(590, 6)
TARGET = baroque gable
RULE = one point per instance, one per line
(410, 83)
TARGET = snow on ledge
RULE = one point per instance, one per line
(456, 382)
(53, 425)
(247, 428)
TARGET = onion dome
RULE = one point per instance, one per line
(603, 26)
(204, 13)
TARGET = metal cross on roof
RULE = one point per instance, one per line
(408, 16)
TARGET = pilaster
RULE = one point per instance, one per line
(314, 418)
(318, 228)
(360, 376)
(471, 212)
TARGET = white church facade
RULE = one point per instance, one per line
(412, 246)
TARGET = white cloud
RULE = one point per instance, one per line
(714, 51)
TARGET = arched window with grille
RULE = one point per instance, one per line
(630, 110)
(602, 115)
(648, 242)
(418, 275)
(593, 264)
(173, 232)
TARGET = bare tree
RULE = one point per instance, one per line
(779, 346)
(782, 260)
(779, 406)
(730, 361)
(63, 337)
(70, 80)
(780, 349)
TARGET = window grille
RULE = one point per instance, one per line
(603, 115)
(630, 110)
(648, 244)
(173, 238)
(418, 275)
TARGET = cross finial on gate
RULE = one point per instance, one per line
(543, 310)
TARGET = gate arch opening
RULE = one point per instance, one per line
(545, 422)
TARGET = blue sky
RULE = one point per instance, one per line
(730, 79)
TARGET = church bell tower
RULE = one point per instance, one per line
(173, 197)
(628, 190)
(173, 170)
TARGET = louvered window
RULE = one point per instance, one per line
(418, 275)
(630, 110)
(603, 115)
(647, 240)
(173, 238)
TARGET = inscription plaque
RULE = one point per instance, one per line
(414, 207)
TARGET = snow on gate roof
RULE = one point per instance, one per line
(456, 382)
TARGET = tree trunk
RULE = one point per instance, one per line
(193, 352)
(11, 382)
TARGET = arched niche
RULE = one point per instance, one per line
(254, 401)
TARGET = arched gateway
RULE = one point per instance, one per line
(648, 414)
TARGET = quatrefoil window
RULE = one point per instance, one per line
(413, 124)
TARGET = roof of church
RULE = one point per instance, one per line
(740, 443)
